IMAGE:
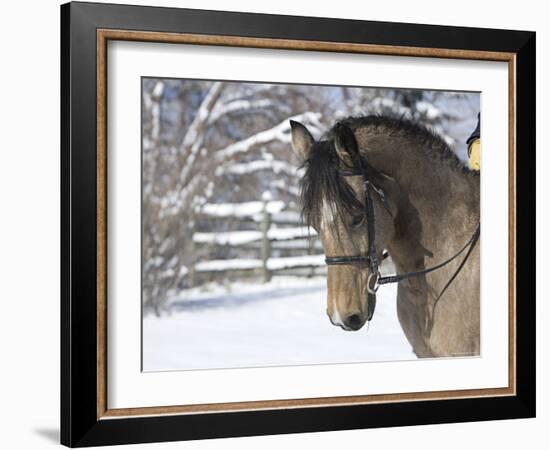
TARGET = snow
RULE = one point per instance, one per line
(220, 265)
(245, 209)
(158, 89)
(283, 234)
(193, 139)
(281, 323)
(286, 217)
(239, 105)
(289, 262)
(295, 261)
(258, 165)
(298, 244)
(381, 104)
(155, 110)
(280, 132)
(236, 238)
(428, 109)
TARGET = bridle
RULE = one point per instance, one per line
(375, 280)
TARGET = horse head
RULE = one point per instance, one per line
(335, 204)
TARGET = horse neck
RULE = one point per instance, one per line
(437, 204)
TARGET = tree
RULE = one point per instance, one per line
(221, 142)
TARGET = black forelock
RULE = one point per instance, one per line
(323, 184)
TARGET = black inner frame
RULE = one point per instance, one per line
(79, 424)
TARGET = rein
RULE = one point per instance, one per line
(375, 280)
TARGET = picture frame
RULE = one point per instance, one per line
(86, 418)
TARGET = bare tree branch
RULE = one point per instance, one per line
(280, 132)
(194, 137)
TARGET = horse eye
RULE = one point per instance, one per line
(356, 221)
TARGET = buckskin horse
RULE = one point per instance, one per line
(377, 183)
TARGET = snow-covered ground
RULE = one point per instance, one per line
(248, 324)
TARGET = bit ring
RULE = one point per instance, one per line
(373, 287)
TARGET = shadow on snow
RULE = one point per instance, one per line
(230, 300)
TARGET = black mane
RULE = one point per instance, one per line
(324, 186)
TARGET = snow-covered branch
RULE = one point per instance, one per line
(239, 105)
(151, 102)
(194, 137)
(280, 132)
(176, 201)
(256, 166)
(245, 209)
(202, 115)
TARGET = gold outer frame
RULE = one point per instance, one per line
(103, 36)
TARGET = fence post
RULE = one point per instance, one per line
(266, 245)
(310, 251)
(192, 280)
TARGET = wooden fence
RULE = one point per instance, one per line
(273, 234)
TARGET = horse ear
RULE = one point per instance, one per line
(346, 144)
(302, 140)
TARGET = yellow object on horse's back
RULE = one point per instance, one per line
(474, 154)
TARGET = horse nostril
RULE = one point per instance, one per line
(354, 321)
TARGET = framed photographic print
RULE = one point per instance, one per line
(277, 224)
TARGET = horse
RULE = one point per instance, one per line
(375, 184)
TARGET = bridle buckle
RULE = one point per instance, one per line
(372, 286)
